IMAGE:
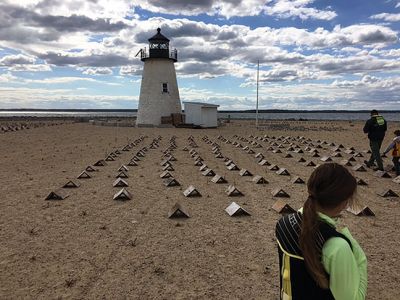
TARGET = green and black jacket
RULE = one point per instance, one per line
(295, 281)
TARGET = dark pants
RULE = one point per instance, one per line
(396, 163)
(376, 155)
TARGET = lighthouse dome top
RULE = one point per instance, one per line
(158, 37)
(158, 48)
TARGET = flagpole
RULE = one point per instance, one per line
(258, 70)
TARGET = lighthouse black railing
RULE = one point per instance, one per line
(158, 53)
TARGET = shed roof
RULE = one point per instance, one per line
(201, 104)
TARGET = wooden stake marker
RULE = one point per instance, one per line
(280, 193)
(168, 168)
(346, 163)
(165, 162)
(100, 163)
(228, 162)
(123, 168)
(208, 172)
(361, 181)
(283, 172)
(171, 182)
(57, 195)
(122, 174)
(132, 163)
(264, 162)
(191, 191)
(203, 168)
(84, 175)
(178, 212)
(218, 179)
(198, 163)
(388, 193)
(259, 155)
(281, 207)
(258, 179)
(361, 211)
(297, 180)
(90, 169)
(326, 158)
(119, 182)
(233, 167)
(382, 174)
(122, 195)
(232, 191)
(359, 168)
(109, 158)
(166, 174)
(71, 184)
(235, 210)
(244, 172)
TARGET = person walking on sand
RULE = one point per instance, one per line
(376, 128)
(316, 260)
(395, 147)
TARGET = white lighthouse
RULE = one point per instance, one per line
(159, 94)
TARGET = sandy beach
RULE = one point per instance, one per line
(89, 246)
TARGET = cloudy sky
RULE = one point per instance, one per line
(313, 54)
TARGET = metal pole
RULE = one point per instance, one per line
(258, 70)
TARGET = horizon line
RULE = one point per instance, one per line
(220, 111)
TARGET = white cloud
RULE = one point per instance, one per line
(239, 8)
(387, 53)
(97, 71)
(223, 8)
(387, 17)
(7, 78)
(130, 70)
(66, 80)
(364, 93)
(243, 8)
(350, 49)
(298, 8)
(18, 59)
(22, 62)
(60, 98)
(30, 68)
(98, 9)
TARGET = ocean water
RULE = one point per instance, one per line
(347, 116)
(392, 116)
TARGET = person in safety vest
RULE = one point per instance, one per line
(316, 260)
(376, 128)
(395, 147)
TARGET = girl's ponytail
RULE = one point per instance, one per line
(308, 243)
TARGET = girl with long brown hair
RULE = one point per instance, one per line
(317, 261)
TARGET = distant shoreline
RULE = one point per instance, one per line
(220, 111)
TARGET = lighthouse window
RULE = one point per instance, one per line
(165, 87)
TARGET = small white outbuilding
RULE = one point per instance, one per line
(201, 114)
